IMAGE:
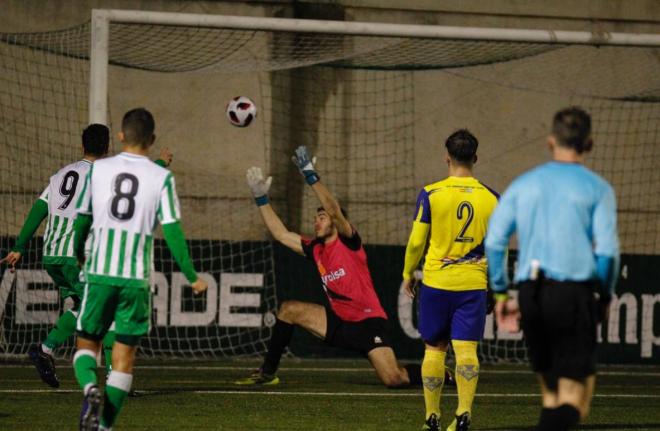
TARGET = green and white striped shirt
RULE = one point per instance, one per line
(126, 195)
(61, 195)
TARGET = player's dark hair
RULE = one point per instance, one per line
(343, 211)
(96, 140)
(462, 146)
(571, 127)
(138, 127)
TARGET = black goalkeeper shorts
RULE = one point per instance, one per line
(362, 336)
(559, 323)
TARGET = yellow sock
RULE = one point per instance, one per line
(433, 377)
(467, 374)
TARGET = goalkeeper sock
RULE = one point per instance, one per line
(84, 365)
(546, 420)
(467, 374)
(282, 333)
(116, 390)
(433, 377)
(63, 329)
(414, 373)
(108, 342)
(567, 417)
(545, 412)
(563, 418)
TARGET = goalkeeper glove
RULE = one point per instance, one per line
(258, 185)
(305, 163)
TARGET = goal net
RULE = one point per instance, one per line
(375, 109)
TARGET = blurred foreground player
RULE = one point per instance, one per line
(355, 319)
(450, 224)
(122, 199)
(568, 250)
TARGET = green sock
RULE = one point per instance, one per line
(108, 341)
(63, 329)
(116, 390)
(84, 365)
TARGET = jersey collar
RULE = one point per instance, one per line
(132, 156)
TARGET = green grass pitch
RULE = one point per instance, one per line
(314, 395)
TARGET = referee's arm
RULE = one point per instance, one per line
(500, 228)
(606, 242)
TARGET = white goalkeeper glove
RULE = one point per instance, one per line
(305, 163)
(258, 186)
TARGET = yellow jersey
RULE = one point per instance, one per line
(452, 215)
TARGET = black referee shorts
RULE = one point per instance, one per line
(362, 336)
(559, 323)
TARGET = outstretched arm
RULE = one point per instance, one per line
(259, 187)
(305, 163)
(331, 206)
(36, 215)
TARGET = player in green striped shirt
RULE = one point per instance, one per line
(122, 200)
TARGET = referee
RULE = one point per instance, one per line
(565, 218)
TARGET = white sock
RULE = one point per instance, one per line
(120, 380)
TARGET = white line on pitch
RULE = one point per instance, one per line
(322, 394)
(334, 369)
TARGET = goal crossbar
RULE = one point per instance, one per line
(355, 28)
(101, 19)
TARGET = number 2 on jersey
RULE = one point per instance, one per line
(128, 209)
(462, 207)
(68, 188)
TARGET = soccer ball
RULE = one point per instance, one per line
(241, 111)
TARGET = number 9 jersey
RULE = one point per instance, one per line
(458, 210)
(126, 195)
(60, 195)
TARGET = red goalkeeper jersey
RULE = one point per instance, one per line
(347, 282)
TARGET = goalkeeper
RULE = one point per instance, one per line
(355, 319)
(565, 219)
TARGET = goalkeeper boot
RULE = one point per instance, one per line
(89, 414)
(461, 423)
(259, 378)
(432, 423)
(45, 365)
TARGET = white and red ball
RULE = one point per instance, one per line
(241, 111)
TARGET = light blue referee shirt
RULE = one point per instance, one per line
(564, 216)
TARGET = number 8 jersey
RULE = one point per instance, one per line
(126, 195)
(60, 195)
(458, 210)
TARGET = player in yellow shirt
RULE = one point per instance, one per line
(450, 223)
